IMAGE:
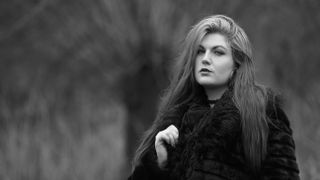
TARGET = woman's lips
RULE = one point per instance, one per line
(205, 70)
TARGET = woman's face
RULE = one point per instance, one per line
(214, 63)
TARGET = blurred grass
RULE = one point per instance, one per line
(304, 115)
(42, 152)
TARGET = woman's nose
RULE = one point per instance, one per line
(206, 60)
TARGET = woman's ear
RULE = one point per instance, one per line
(233, 72)
(231, 75)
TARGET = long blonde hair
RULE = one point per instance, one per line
(249, 97)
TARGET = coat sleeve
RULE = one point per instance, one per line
(280, 162)
(149, 170)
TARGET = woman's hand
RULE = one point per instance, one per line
(170, 136)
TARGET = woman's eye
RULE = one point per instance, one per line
(219, 53)
(200, 51)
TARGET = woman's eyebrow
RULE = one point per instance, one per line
(214, 47)
(201, 47)
(219, 46)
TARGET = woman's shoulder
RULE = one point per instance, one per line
(280, 160)
(275, 111)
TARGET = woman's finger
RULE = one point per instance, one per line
(175, 136)
(161, 137)
(169, 135)
(172, 139)
(173, 128)
(174, 133)
(167, 138)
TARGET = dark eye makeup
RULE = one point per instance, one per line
(219, 53)
(216, 50)
(200, 50)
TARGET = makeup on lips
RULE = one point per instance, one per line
(205, 70)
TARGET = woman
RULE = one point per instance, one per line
(215, 121)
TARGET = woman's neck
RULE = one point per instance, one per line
(215, 93)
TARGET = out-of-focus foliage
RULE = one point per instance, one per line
(80, 80)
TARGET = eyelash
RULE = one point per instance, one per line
(200, 51)
(218, 53)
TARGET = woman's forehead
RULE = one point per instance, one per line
(214, 39)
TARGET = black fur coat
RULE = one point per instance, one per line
(209, 146)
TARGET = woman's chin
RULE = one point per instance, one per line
(211, 84)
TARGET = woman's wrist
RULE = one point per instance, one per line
(161, 163)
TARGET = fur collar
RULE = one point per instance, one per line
(198, 129)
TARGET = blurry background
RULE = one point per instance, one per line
(80, 80)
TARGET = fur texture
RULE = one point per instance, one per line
(210, 146)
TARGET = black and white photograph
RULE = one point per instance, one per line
(159, 90)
